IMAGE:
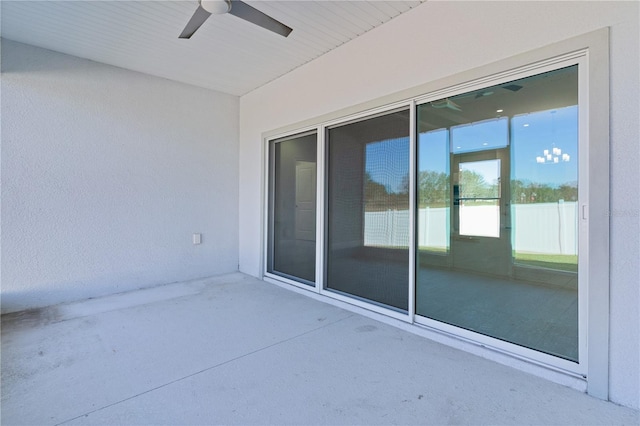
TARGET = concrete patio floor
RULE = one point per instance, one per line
(236, 350)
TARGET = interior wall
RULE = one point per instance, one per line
(106, 174)
(345, 183)
(439, 39)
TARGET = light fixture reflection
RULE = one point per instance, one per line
(553, 156)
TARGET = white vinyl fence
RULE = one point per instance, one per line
(545, 228)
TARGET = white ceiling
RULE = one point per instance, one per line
(226, 54)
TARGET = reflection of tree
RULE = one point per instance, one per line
(433, 189)
(523, 192)
(372, 189)
(378, 198)
(473, 185)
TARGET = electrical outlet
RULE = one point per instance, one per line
(197, 239)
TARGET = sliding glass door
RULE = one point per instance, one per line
(508, 266)
(292, 202)
(490, 210)
(367, 246)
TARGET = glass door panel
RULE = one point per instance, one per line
(292, 203)
(367, 250)
(508, 266)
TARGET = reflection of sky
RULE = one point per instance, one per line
(387, 162)
(488, 169)
(433, 151)
(545, 130)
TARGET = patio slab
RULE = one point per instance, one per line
(237, 350)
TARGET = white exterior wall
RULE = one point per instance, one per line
(106, 174)
(439, 39)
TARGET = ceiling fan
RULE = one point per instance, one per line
(446, 103)
(237, 8)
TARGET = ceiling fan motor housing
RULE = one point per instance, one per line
(216, 7)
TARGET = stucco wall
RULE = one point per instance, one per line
(439, 39)
(106, 174)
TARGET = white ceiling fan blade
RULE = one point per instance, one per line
(248, 13)
(446, 103)
(198, 18)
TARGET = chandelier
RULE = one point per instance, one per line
(553, 156)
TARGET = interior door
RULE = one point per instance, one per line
(305, 213)
(481, 231)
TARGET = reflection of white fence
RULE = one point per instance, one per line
(389, 228)
(547, 228)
